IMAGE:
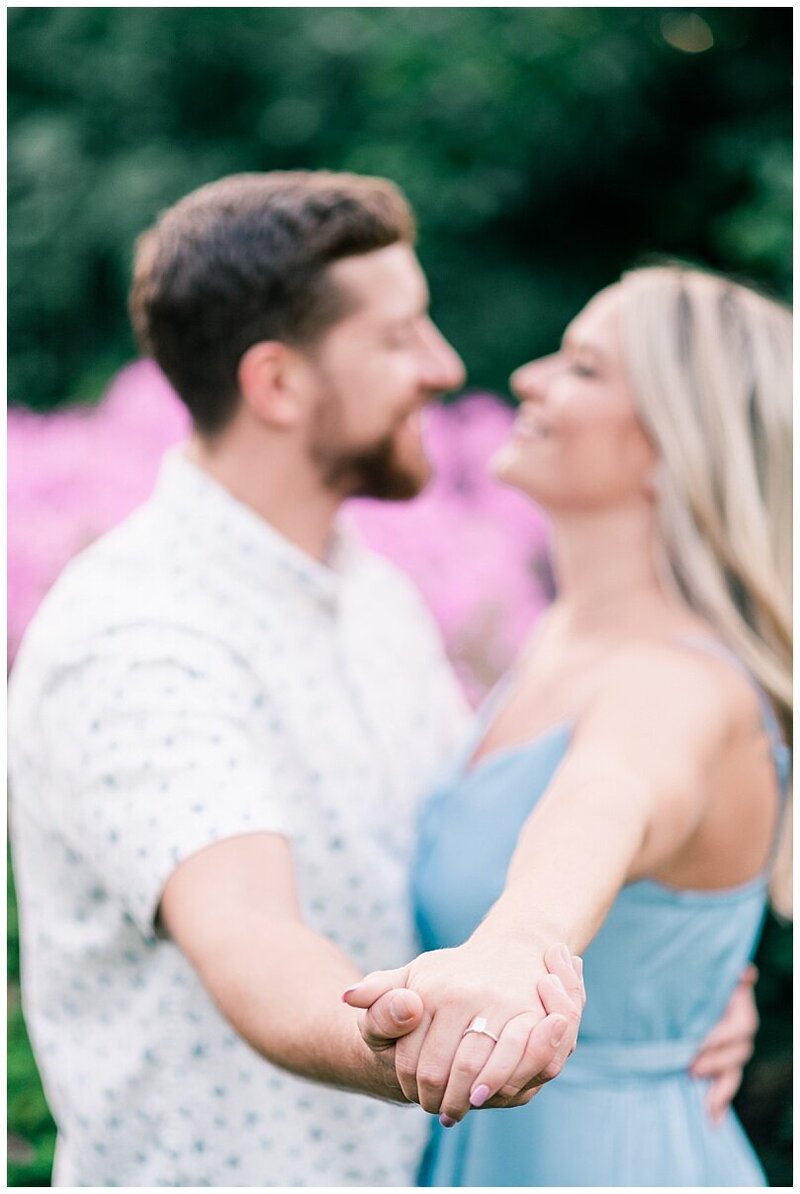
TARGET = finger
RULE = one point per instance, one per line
(556, 1000)
(521, 1100)
(406, 1057)
(554, 996)
(739, 1023)
(524, 1077)
(730, 1033)
(436, 1058)
(721, 1094)
(390, 1017)
(364, 993)
(525, 1050)
(558, 961)
(714, 1063)
(470, 1058)
(577, 964)
(749, 975)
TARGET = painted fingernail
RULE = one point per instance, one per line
(556, 981)
(564, 955)
(479, 1095)
(447, 1122)
(348, 990)
(557, 1035)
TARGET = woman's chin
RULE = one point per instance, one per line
(500, 462)
(504, 466)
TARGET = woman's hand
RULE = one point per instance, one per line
(503, 990)
(729, 1046)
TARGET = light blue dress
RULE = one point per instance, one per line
(625, 1110)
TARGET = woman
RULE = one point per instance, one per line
(626, 782)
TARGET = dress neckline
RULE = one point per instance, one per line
(472, 766)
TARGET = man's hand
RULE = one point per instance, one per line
(532, 1046)
(391, 1017)
(729, 1046)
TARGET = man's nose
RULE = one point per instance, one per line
(444, 369)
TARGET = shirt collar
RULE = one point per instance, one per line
(205, 505)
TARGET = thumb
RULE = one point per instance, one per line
(365, 993)
(391, 1016)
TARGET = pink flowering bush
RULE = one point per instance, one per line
(477, 550)
(74, 474)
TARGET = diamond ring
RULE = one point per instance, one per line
(479, 1025)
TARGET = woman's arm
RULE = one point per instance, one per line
(630, 793)
(233, 910)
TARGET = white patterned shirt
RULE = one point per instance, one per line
(193, 676)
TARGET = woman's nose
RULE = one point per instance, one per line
(527, 381)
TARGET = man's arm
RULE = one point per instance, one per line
(232, 908)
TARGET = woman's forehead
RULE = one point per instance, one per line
(599, 319)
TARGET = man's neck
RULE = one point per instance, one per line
(275, 481)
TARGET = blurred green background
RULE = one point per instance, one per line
(544, 150)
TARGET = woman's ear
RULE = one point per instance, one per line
(271, 383)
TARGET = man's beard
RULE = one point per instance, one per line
(375, 471)
(372, 472)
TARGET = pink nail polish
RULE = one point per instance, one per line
(447, 1122)
(479, 1095)
(347, 991)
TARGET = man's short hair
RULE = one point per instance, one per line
(245, 259)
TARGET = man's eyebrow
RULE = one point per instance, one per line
(418, 311)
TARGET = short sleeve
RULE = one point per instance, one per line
(161, 742)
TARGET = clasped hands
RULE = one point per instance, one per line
(497, 1023)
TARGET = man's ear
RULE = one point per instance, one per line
(271, 382)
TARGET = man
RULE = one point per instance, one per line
(224, 714)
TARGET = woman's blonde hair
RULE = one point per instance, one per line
(710, 362)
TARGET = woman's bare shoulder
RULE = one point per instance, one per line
(681, 681)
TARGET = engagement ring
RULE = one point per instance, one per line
(479, 1025)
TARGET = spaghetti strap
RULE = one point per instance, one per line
(483, 717)
(627, 1110)
(781, 753)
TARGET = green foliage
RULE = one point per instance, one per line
(764, 1103)
(544, 149)
(31, 1131)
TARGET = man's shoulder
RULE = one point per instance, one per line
(129, 584)
(115, 571)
